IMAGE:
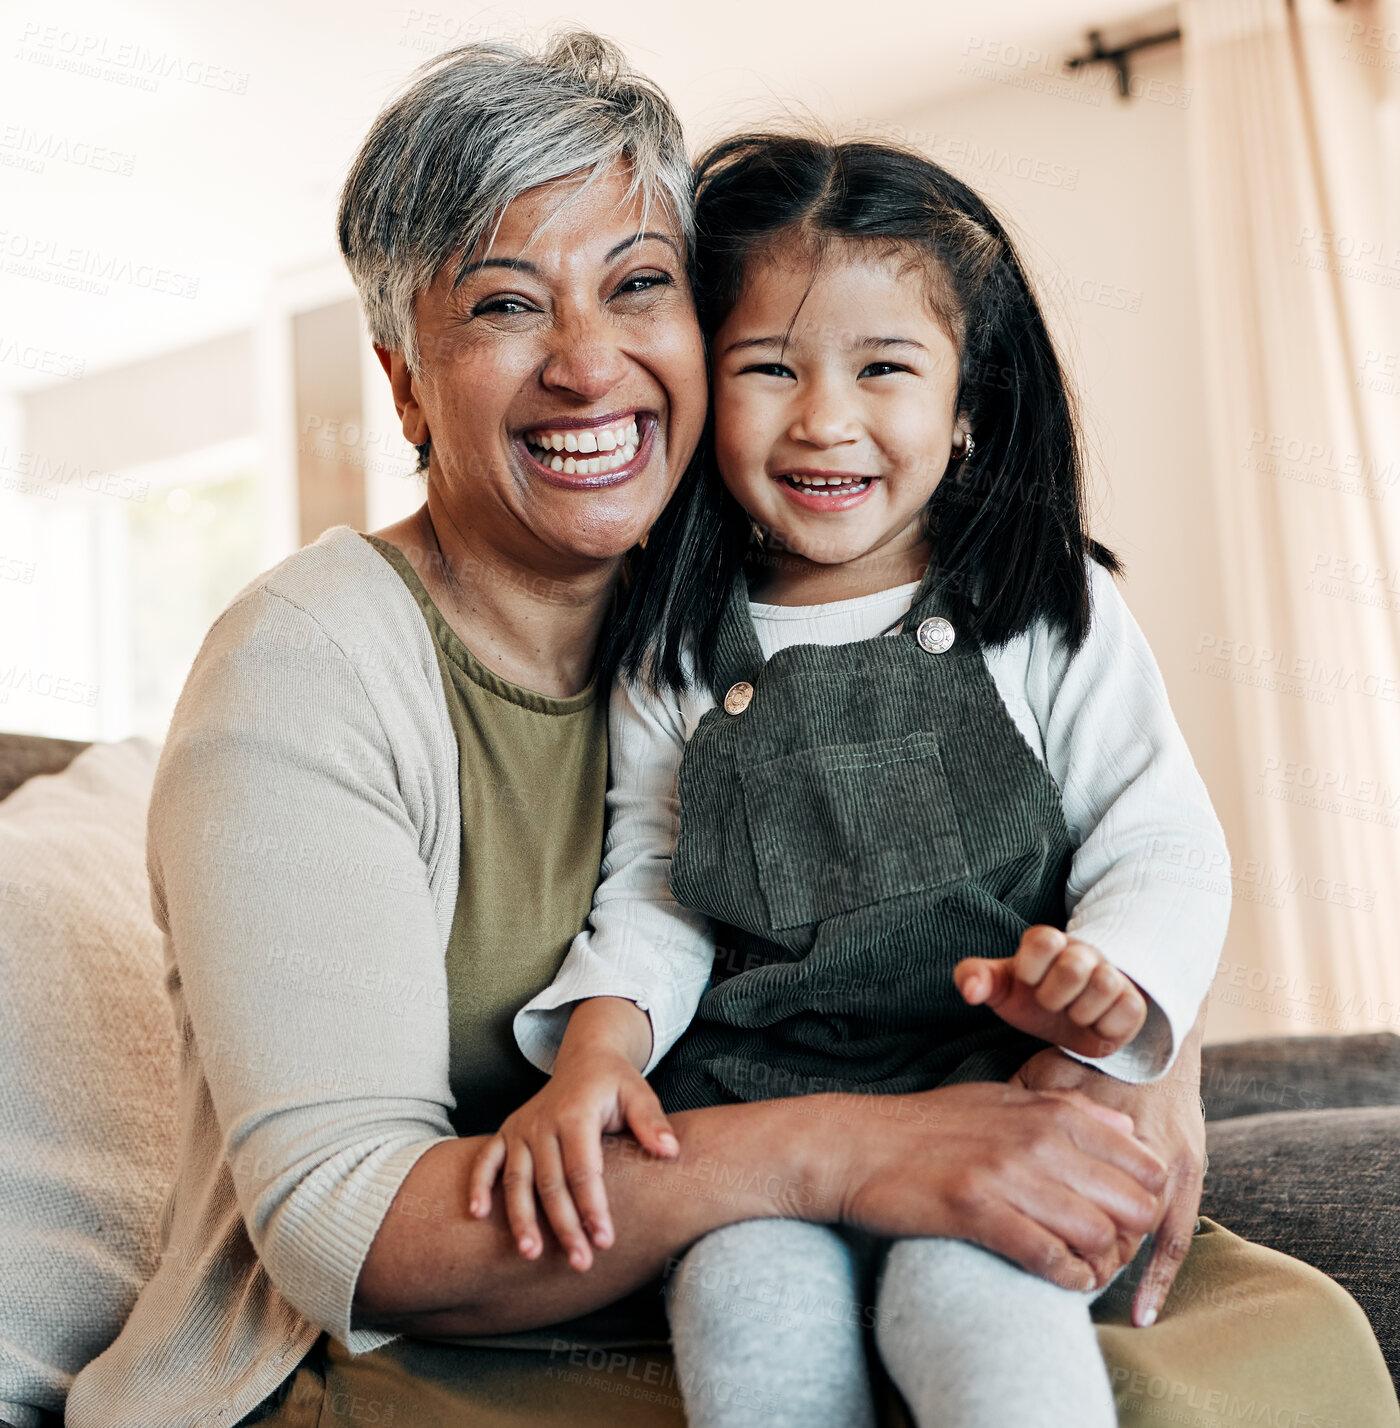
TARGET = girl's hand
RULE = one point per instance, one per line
(553, 1146)
(1057, 989)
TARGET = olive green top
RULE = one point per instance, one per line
(533, 772)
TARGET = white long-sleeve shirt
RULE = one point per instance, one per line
(1149, 883)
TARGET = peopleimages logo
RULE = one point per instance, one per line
(1313, 676)
(30, 472)
(1044, 72)
(51, 260)
(43, 684)
(30, 358)
(121, 61)
(31, 149)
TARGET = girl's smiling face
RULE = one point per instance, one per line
(833, 435)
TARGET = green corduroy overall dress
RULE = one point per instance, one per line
(856, 819)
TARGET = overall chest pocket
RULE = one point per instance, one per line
(842, 826)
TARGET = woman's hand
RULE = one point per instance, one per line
(1051, 1180)
(553, 1144)
(1167, 1117)
(1058, 989)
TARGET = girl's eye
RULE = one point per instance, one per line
(767, 369)
(507, 306)
(881, 369)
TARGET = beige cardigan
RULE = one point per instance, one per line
(303, 846)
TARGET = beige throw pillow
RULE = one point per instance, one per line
(87, 1071)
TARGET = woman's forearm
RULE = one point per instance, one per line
(1040, 1178)
(435, 1271)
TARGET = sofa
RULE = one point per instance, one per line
(1303, 1135)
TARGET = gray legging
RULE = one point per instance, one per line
(769, 1320)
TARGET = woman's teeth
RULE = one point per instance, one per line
(616, 446)
(828, 485)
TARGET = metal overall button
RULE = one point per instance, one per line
(739, 698)
(935, 634)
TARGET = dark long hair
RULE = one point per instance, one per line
(1006, 523)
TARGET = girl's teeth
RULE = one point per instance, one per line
(830, 483)
(607, 441)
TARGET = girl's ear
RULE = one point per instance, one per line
(962, 435)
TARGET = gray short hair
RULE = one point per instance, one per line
(477, 127)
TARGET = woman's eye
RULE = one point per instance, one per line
(509, 306)
(641, 282)
(881, 369)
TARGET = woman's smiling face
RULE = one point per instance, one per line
(835, 389)
(562, 382)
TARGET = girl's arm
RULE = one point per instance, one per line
(1149, 885)
(640, 943)
(553, 1143)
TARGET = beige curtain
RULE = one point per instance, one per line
(1295, 132)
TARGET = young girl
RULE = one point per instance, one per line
(896, 795)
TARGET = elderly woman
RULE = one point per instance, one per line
(377, 825)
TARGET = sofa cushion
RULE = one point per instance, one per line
(1323, 1186)
(87, 1059)
(1300, 1073)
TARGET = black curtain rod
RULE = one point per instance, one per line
(1117, 55)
